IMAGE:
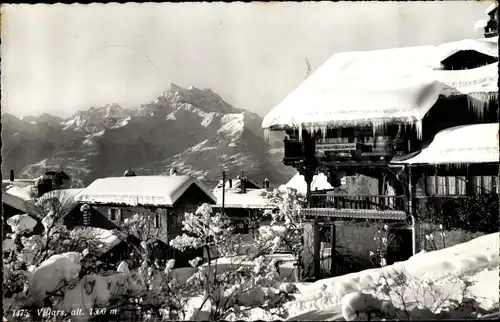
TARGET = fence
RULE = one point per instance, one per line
(364, 202)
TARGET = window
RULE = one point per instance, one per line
(190, 208)
(241, 227)
(176, 220)
(461, 184)
(450, 186)
(157, 221)
(441, 186)
(485, 184)
(114, 214)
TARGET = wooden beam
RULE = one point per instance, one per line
(317, 251)
(308, 251)
(349, 164)
(333, 261)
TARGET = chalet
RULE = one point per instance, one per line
(165, 198)
(52, 180)
(241, 204)
(69, 210)
(490, 25)
(382, 114)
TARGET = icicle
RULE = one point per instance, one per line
(267, 135)
(300, 131)
(479, 102)
(374, 129)
(418, 127)
(377, 127)
(323, 131)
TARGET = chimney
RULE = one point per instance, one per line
(230, 183)
(243, 185)
(11, 175)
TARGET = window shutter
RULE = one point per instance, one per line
(110, 214)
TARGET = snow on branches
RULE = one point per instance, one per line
(285, 228)
(231, 283)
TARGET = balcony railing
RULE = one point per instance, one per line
(362, 202)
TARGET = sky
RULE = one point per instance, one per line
(59, 59)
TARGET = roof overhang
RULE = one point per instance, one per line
(467, 144)
(378, 87)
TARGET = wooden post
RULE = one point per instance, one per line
(312, 248)
(410, 192)
(312, 242)
(333, 262)
(469, 184)
(308, 176)
(223, 189)
(307, 256)
(317, 251)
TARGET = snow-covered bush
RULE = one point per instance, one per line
(378, 256)
(241, 283)
(435, 239)
(404, 298)
(285, 230)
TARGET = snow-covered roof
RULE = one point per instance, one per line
(235, 183)
(480, 24)
(380, 86)
(319, 182)
(252, 198)
(24, 193)
(18, 181)
(67, 194)
(140, 190)
(477, 143)
(492, 7)
(18, 196)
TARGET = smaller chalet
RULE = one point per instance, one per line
(241, 204)
(167, 197)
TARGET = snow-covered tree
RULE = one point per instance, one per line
(229, 283)
(285, 230)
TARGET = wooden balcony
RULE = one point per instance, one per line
(381, 207)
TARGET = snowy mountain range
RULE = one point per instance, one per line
(192, 129)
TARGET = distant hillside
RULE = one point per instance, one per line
(193, 129)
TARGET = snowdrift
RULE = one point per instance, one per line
(478, 259)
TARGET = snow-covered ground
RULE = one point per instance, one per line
(477, 260)
(325, 300)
